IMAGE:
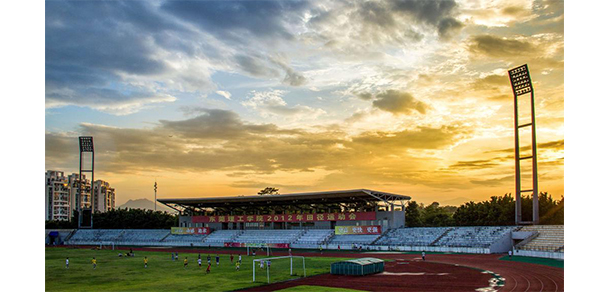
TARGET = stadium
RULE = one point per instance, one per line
(301, 235)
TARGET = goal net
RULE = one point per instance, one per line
(107, 245)
(275, 269)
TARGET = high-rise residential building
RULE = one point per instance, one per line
(83, 200)
(103, 196)
(62, 195)
(58, 202)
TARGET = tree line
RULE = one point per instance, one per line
(497, 211)
(122, 219)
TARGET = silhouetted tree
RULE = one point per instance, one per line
(269, 191)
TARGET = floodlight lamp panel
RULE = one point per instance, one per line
(86, 144)
(520, 80)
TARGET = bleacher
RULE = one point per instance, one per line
(185, 239)
(477, 236)
(349, 239)
(94, 236)
(314, 236)
(268, 236)
(414, 236)
(550, 238)
(142, 235)
(221, 236)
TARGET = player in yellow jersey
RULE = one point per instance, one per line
(186, 262)
(145, 262)
(237, 265)
(94, 262)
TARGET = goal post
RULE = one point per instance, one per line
(107, 245)
(265, 261)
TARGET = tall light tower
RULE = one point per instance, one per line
(521, 83)
(86, 146)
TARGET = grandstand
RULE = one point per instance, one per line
(416, 236)
(473, 236)
(313, 237)
(268, 236)
(546, 238)
(337, 219)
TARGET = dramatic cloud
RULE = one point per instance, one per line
(499, 47)
(220, 140)
(399, 103)
(105, 100)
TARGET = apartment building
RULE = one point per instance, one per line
(58, 202)
(62, 195)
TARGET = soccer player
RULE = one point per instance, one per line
(254, 252)
(237, 265)
(262, 265)
(186, 262)
(217, 260)
(199, 262)
(239, 259)
(172, 256)
(269, 265)
(94, 262)
(145, 262)
(231, 258)
(67, 263)
(423, 255)
(207, 271)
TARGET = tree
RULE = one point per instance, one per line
(412, 215)
(269, 191)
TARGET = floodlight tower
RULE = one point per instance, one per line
(521, 83)
(86, 146)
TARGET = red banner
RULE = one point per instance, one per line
(272, 245)
(343, 230)
(190, 230)
(352, 216)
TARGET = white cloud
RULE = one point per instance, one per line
(224, 94)
(271, 103)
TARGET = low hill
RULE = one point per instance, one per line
(145, 204)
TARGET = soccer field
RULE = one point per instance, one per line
(128, 273)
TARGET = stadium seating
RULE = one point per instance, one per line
(314, 236)
(221, 236)
(269, 236)
(415, 236)
(477, 236)
(349, 239)
(550, 238)
(94, 236)
(142, 235)
(185, 239)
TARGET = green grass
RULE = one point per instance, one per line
(307, 288)
(163, 274)
(533, 260)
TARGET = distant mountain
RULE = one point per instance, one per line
(145, 204)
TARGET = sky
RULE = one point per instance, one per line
(224, 98)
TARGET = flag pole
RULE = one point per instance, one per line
(155, 194)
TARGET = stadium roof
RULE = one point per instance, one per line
(342, 196)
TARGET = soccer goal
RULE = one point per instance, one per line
(107, 245)
(278, 267)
